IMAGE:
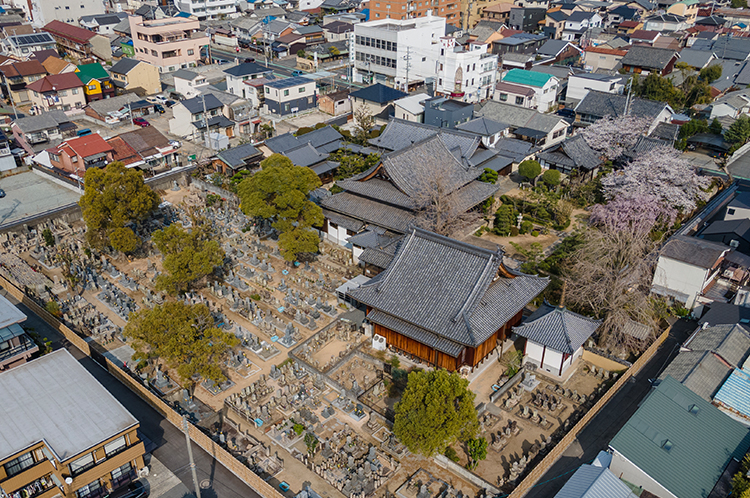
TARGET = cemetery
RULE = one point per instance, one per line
(309, 393)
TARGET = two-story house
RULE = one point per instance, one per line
(76, 155)
(645, 60)
(34, 133)
(16, 77)
(22, 46)
(191, 117)
(63, 434)
(79, 43)
(290, 95)
(95, 79)
(57, 92)
(132, 74)
(237, 76)
(578, 23)
(189, 84)
(543, 85)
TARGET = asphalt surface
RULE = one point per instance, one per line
(596, 436)
(161, 438)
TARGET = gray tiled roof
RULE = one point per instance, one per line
(195, 105)
(731, 342)
(236, 156)
(448, 288)
(184, 74)
(124, 66)
(380, 190)
(105, 106)
(320, 137)
(552, 47)
(372, 238)
(482, 126)
(370, 211)
(305, 155)
(694, 251)
(399, 134)
(700, 371)
(343, 220)
(518, 117)
(45, 121)
(282, 143)
(695, 58)
(558, 328)
(601, 104)
(648, 57)
(378, 257)
(573, 152)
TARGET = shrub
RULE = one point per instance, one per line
(302, 131)
(299, 429)
(504, 218)
(529, 169)
(526, 226)
(551, 177)
(255, 297)
(514, 231)
(535, 233)
(49, 239)
(451, 454)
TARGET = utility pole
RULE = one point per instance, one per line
(130, 115)
(205, 122)
(190, 456)
(630, 93)
(407, 58)
(10, 96)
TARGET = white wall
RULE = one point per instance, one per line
(356, 252)
(337, 235)
(737, 214)
(534, 351)
(478, 70)
(681, 277)
(625, 469)
(190, 88)
(579, 87)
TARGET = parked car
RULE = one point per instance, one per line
(111, 120)
(83, 132)
(159, 108)
(297, 72)
(135, 489)
(2, 193)
(141, 122)
(160, 99)
(249, 59)
(175, 143)
(170, 103)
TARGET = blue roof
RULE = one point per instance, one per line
(735, 393)
(183, 14)
(378, 93)
(289, 82)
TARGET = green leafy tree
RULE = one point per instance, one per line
(739, 4)
(693, 127)
(334, 51)
(279, 192)
(488, 176)
(716, 127)
(504, 219)
(656, 87)
(184, 337)
(49, 239)
(551, 177)
(311, 442)
(738, 133)
(436, 409)
(114, 197)
(530, 169)
(53, 308)
(365, 122)
(301, 53)
(711, 73)
(123, 239)
(351, 164)
(477, 450)
(188, 256)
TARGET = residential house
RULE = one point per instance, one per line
(381, 48)
(602, 58)
(189, 84)
(79, 43)
(237, 76)
(16, 78)
(132, 75)
(578, 23)
(554, 23)
(732, 104)
(554, 339)
(559, 52)
(645, 60)
(734, 233)
(146, 149)
(526, 19)
(665, 23)
(377, 99)
(75, 156)
(104, 24)
(738, 208)
(409, 9)
(218, 9)
(117, 107)
(23, 46)
(711, 23)
(519, 43)
(57, 92)
(703, 372)
(498, 12)
(686, 268)
(43, 12)
(335, 103)
(411, 108)
(572, 154)
(16, 345)
(596, 105)
(543, 130)
(644, 37)
(656, 449)
(449, 278)
(543, 85)
(56, 65)
(254, 91)
(313, 35)
(242, 157)
(446, 113)
(468, 74)
(514, 94)
(594, 480)
(190, 121)
(685, 8)
(35, 133)
(63, 433)
(169, 44)
(580, 84)
(289, 96)
(490, 131)
(95, 79)
(338, 31)
(697, 59)
(621, 14)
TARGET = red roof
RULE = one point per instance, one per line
(609, 51)
(642, 34)
(68, 31)
(629, 24)
(28, 68)
(122, 151)
(55, 83)
(85, 146)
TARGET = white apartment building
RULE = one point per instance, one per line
(67, 11)
(466, 74)
(207, 9)
(385, 50)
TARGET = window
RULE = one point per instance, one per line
(558, 134)
(115, 446)
(302, 89)
(191, 51)
(75, 91)
(92, 489)
(82, 464)
(154, 53)
(122, 474)
(503, 97)
(730, 211)
(67, 7)
(286, 93)
(92, 87)
(19, 464)
(519, 100)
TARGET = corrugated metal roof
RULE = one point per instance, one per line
(591, 481)
(735, 393)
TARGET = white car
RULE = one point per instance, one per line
(111, 120)
(161, 99)
(175, 143)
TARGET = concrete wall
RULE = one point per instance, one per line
(626, 470)
(680, 277)
(602, 361)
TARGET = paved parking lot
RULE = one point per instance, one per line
(28, 194)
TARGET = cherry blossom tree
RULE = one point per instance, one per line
(641, 212)
(612, 136)
(662, 174)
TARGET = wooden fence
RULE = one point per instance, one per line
(537, 472)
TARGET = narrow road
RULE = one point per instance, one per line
(600, 431)
(165, 441)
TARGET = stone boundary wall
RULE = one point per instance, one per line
(506, 387)
(601, 361)
(470, 476)
(250, 478)
(538, 471)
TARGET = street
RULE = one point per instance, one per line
(162, 439)
(596, 436)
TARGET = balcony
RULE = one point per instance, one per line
(37, 487)
(104, 467)
(25, 348)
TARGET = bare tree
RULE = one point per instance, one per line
(609, 276)
(440, 210)
(364, 120)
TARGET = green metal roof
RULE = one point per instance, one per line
(523, 77)
(88, 72)
(680, 440)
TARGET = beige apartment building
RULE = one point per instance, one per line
(170, 44)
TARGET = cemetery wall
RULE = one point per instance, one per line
(69, 214)
(602, 361)
(457, 469)
(209, 445)
(164, 181)
(533, 477)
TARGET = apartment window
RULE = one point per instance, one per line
(440, 81)
(441, 66)
(154, 53)
(730, 211)
(19, 464)
(92, 87)
(286, 93)
(503, 97)
(302, 89)
(90, 490)
(122, 474)
(114, 447)
(63, 93)
(519, 100)
(82, 464)
(191, 51)
(558, 134)
(474, 67)
(286, 107)
(75, 91)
